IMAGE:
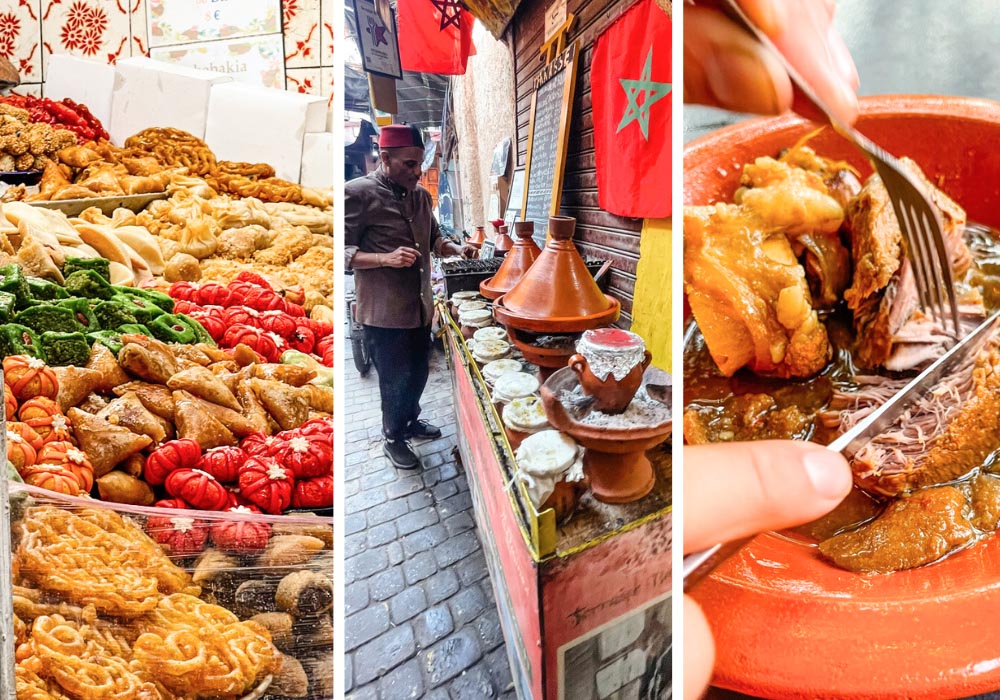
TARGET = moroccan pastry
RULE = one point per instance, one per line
(75, 384)
(157, 398)
(119, 487)
(293, 375)
(201, 382)
(286, 407)
(233, 420)
(193, 421)
(103, 361)
(127, 411)
(252, 409)
(147, 359)
(105, 444)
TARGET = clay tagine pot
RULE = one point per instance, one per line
(478, 238)
(802, 627)
(503, 242)
(523, 253)
(615, 460)
(610, 363)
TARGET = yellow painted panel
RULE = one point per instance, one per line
(651, 308)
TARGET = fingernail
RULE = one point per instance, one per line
(828, 472)
(739, 80)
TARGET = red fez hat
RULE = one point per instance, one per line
(400, 136)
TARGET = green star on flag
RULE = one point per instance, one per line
(645, 89)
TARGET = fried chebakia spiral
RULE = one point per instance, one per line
(81, 661)
(198, 649)
(173, 148)
(96, 557)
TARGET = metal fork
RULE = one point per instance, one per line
(919, 221)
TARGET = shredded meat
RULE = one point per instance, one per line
(913, 531)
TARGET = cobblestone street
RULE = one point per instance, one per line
(420, 616)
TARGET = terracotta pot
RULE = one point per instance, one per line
(792, 624)
(503, 242)
(564, 499)
(615, 461)
(478, 237)
(514, 437)
(515, 264)
(610, 395)
(557, 294)
(468, 332)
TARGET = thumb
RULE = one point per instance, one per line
(734, 490)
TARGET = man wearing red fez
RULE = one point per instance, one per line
(389, 235)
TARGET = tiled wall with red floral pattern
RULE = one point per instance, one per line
(33, 30)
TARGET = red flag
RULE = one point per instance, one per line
(631, 86)
(435, 36)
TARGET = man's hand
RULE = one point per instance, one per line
(469, 252)
(737, 489)
(725, 67)
(401, 257)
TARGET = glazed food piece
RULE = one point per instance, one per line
(892, 332)
(745, 417)
(913, 531)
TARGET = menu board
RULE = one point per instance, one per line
(241, 38)
(548, 133)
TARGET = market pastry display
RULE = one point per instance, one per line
(63, 114)
(26, 145)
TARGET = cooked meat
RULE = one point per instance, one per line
(749, 294)
(986, 502)
(913, 531)
(943, 436)
(745, 417)
(883, 294)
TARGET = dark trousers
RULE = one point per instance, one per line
(401, 357)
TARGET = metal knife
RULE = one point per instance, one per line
(698, 565)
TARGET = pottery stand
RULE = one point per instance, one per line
(582, 606)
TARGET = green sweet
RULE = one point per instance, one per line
(89, 284)
(200, 334)
(7, 303)
(46, 317)
(135, 328)
(163, 301)
(143, 310)
(65, 349)
(84, 313)
(13, 281)
(101, 266)
(171, 328)
(44, 290)
(112, 340)
(16, 339)
(112, 314)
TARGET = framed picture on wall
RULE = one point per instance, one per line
(375, 28)
(513, 211)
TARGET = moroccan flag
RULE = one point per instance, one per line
(435, 36)
(630, 81)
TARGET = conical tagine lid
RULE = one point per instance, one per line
(478, 238)
(515, 264)
(503, 242)
(558, 285)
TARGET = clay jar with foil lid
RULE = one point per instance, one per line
(478, 237)
(557, 294)
(523, 253)
(610, 363)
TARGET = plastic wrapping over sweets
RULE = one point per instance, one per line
(152, 604)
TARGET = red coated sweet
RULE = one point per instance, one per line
(218, 295)
(184, 453)
(277, 322)
(294, 310)
(241, 288)
(267, 484)
(268, 345)
(171, 503)
(315, 426)
(322, 343)
(322, 329)
(313, 493)
(182, 306)
(9, 402)
(180, 536)
(223, 463)
(302, 339)
(20, 451)
(29, 377)
(241, 536)
(307, 456)
(257, 444)
(328, 357)
(254, 279)
(264, 300)
(184, 291)
(241, 315)
(66, 455)
(198, 489)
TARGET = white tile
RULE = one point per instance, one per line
(302, 33)
(21, 39)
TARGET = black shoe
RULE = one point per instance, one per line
(422, 430)
(401, 454)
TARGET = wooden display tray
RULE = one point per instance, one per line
(107, 205)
